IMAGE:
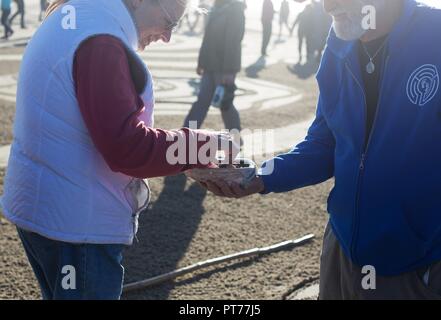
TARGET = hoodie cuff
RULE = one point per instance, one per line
(267, 177)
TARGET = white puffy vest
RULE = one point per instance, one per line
(57, 184)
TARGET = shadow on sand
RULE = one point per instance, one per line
(165, 232)
(253, 70)
(304, 71)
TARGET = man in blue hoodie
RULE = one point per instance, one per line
(377, 133)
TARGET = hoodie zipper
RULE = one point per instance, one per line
(355, 224)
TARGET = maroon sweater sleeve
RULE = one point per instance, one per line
(110, 107)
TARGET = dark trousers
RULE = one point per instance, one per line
(199, 109)
(267, 32)
(5, 22)
(43, 7)
(21, 12)
(340, 279)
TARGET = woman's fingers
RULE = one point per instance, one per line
(202, 184)
(238, 190)
(225, 189)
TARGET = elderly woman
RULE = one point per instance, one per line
(84, 141)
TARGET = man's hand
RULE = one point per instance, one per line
(199, 71)
(227, 189)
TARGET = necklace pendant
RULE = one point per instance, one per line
(370, 67)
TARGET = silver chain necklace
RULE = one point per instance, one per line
(370, 67)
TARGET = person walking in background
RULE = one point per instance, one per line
(305, 26)
(43, 6)
(313, 25)
(283, 16)
(6, 11)
(320, 29)
(204, 6)
(267, 24)
(20, 11)
(219, 62)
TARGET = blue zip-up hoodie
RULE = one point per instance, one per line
(385, 207)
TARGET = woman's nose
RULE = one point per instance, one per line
(166, 36)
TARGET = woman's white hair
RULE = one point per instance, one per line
(190, 6)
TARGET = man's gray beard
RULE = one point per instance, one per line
(352, 29)
(348, 30)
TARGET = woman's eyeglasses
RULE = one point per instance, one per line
(171, 26)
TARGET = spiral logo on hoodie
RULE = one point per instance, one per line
(423, 84)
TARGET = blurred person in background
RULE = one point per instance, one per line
(220, 59)
(6, 11)
(20, 11)
(322, 23)
(267, 25)
(43, 6)
(313, 25)
(284, 17)
(303, 23)
(204, 7)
